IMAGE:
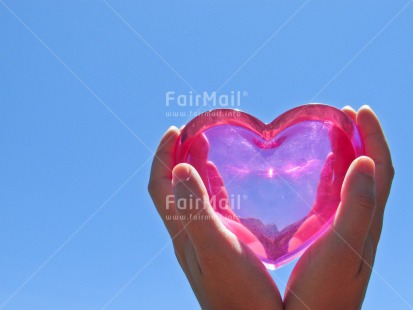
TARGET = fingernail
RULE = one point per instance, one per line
(181, 173)
(366, 166)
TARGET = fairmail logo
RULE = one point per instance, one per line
(205, 99)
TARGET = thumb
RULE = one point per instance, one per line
(358, 203)
(202, 225)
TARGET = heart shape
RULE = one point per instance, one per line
(275, 186)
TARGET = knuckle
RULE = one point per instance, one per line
(152, 187)
(366, 200)
(207, 258)
(392, 171)
(375, 233)
(229, 248)
(179, 256)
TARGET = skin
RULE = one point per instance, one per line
(225, 274)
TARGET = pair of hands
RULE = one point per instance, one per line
(225, 274)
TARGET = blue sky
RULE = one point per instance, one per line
(82, 97)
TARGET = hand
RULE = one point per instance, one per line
(223, 272)
(334, 272)
(328, 190)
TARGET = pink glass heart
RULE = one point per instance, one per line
(276, 186)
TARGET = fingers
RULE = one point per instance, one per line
(160, 187)
(350, 112)
(320, 211)
(217, 191)
(308, 229)
(244, 235)
(163, 159)
(198, 156)
(358, 202)
(201, 223)
(217, 186)
(325, 189)
(199, 149)
(373, 135)
(341, 146)
(377, 148)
